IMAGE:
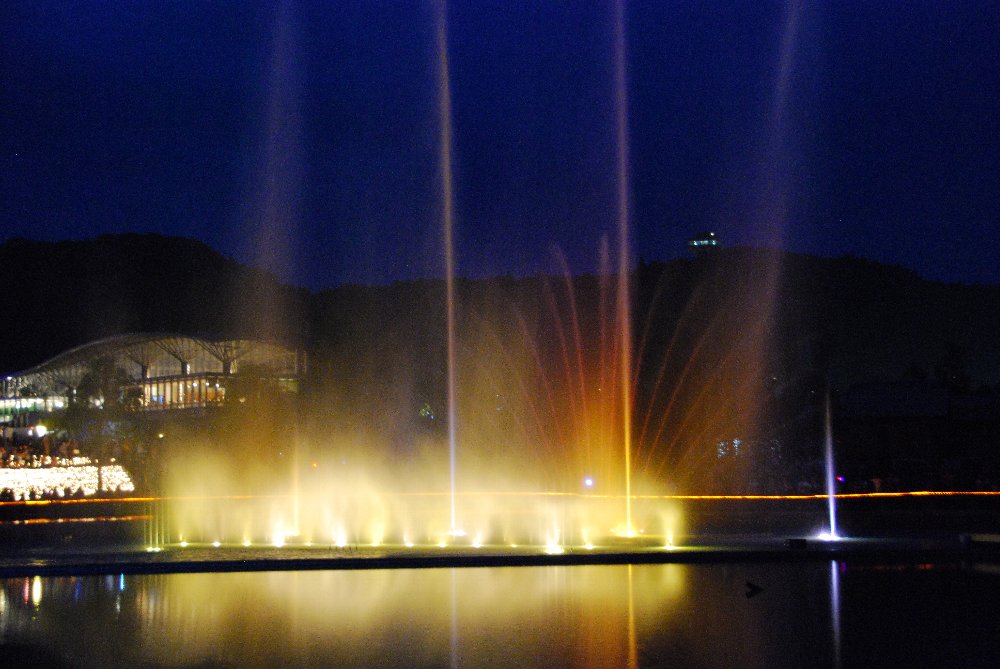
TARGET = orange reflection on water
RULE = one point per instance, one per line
(94, 519)
(852, 495)
(92, 500)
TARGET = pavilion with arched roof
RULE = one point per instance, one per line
(156, 371)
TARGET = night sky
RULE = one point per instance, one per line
(304, 137)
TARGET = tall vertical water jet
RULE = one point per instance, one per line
(777, 153)
(274, 212)
(831, 481)
(447, 214)
(623, 307)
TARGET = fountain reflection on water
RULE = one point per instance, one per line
(596, 616)
(835, 611)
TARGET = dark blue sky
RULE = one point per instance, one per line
(304, 137)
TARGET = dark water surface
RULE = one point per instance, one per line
(808, 614)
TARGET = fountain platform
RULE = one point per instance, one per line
(198, 558)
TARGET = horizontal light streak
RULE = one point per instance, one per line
(864, 495)
(91, 500)
(853, 495)
(98, 519)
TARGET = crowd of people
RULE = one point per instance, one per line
(38, 452)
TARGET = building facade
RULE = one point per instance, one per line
(148, 372)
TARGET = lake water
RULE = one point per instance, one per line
(805, 614)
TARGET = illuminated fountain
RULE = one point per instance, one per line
(624, 316)
(447, 224)
(623, 302)
(831, 479)
(564, 428)
(541, 464)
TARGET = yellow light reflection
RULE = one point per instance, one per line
(607, 621)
